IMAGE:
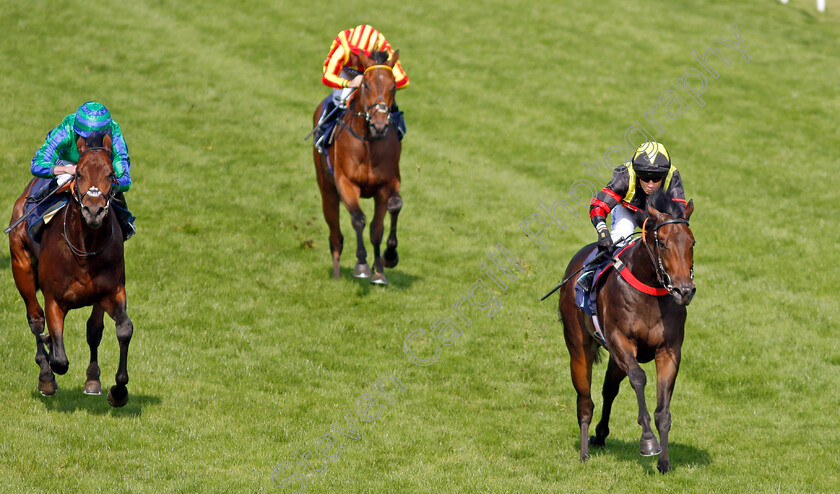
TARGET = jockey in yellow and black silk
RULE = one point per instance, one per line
(626, 194)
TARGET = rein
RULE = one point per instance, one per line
(76, 250)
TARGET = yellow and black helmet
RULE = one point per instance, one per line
(651, 159)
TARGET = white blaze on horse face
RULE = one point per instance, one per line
(93, 192)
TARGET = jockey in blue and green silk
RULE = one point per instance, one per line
(59, 153)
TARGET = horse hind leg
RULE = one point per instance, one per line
(95, 326)
(330, 203)
(24, 275)
(612, 382)
(391, 258)
(581, 367)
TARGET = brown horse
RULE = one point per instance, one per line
(637, 327)
(78, 263)
(365, 160)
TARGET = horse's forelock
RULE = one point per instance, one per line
(664, 203)
(95, 140)
(379, 57)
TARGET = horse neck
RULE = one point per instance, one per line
(638, 260)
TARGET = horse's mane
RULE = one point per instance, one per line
(664, 203)
(95, 140)
(379, 57)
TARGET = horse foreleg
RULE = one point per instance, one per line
(377, 227)
(624, 354)
(55, 323)
(667, 366)
(118, 394)
(95, 327)
(394, 206)
(612, 383)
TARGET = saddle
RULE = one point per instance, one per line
(587, 301)
(41, 207)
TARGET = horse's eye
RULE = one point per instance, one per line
(661, 244)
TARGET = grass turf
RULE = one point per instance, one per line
(245, 351)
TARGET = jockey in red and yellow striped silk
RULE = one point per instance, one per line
(350, 41)
(343, 72)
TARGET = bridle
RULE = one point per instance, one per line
(93, 191)
(662, 276)
(379, 106)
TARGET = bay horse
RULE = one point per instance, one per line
(638, 327)
(363, 162)
(78, 263)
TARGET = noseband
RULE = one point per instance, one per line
(662, 276)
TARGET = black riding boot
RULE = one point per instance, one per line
(124, 216)
(329, 115)
(398, 119)
(585, 279)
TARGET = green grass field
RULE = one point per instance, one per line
(246, 352)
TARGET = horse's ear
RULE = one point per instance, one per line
(392, 60)
(106, 142)
(689, 208)
(81, 144)
(365, 61)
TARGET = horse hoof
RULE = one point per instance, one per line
(650, 447)
(117, 397)
(59, 368)
(378, 279)
(361, 271)
(93, 388)
(594, 441)
(47, 388)
(390, 261)
(663, 466)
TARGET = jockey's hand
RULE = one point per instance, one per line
(356, 82)
(62, 169)
(604, 239)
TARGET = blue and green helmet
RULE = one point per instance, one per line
(92, 117)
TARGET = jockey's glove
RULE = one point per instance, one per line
(604, 239)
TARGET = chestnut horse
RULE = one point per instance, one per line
(78, 263)
(637, 327)
(365, 158)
